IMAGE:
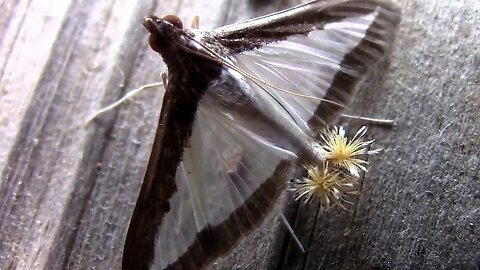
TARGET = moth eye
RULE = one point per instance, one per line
(173, 20)
(155, 43)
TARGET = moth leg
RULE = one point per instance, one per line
(290, 229)
(164, 76)
(128, 96)
(195, 22)
(373, 121)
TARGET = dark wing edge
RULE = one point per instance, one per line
(351, 38)
(173, 133)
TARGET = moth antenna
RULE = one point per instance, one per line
(368, 120)
(128, 96)
(253, 78)
(257, 80)
(292, 233)
(215, 57)
(211, 58)
(223, 62)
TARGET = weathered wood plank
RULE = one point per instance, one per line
(67, 191)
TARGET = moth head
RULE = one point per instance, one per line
(165, 32)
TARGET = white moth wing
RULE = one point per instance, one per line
(335, 58)
(228, 157)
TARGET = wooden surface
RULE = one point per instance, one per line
(67, 190)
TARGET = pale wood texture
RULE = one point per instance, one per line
(67, 190)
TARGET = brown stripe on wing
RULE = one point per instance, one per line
(189, 76)
(279, 26)
(216, 240)
(362, 60)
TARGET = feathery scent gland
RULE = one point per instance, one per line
(328, 184)
(338, 175)
(347, 153)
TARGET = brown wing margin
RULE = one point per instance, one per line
(214, 241)
(355, 66)
(173, 132)
(298, 20)
(363, 58)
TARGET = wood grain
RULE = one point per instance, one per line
(68, 190)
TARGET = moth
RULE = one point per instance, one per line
(241, 112)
